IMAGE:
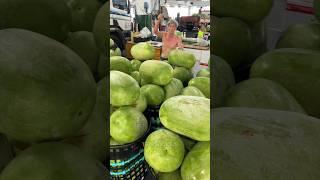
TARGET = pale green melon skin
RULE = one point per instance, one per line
(196, 164)
(156, 72)
(202, 83)
(154, 94)
(127, 124)
(164, 150)
(124, 89)
(192, 91)
(143, 51)
(188, 116)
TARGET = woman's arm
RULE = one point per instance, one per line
(156, 26)
(180, 45)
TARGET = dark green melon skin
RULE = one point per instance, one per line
(51, 18)
(47, 92)
(264, 144)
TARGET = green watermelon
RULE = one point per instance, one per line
(136, 76)
(181, 58)
(164, 150)
(114, 142)
(117, 52)
(183, 74)
(99, 27)
(154, 94)
(112, 53)
(6, 153)
(119, 63)
(232, 40)
(92, 137)
(192, 91)
(306, 36)
(51, 18)
(223, 80)
(111, 43)
(196, 164)
(262, 93)
(79, 43)
(253, 143)
(175, 175)
(102, 67)
(297, 70)
(124, 89)
(141, 104)
(135, 64)
(52, 161)
(127, 125)
(174, 88)
(202, 83)
(143, 51)
(51, 90)
(83, 13)
(247, 10)
(188, 116)
(203, 73)
(156, 72)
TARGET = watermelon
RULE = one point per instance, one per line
(136, 76)
(202, 83)
(174, 88)
(112, 53)
(181, 58)
(135, 64)
(228, 29)
(196, 164)
(297, 70)
(92, 137)
(154, 94)
(143, 51)
(83, 13)
(156, 72)
(306, 36)
(119, 63)
(117, 52)
(127, 125)
(183, 74)
(247, 10)
(50, 18)
(43, 161)
(111, 45)
(192, 91)
(124, 89)
(114, 142)
(51, 90)
(6, 154)
(188, 116)
(79, 43)
(99, 28)
(203, 73)
(141, 104)
(262, 93)
(102, 67)
(164, 150)
(223, 80)
(253, 143)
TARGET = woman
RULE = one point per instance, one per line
(170, 40)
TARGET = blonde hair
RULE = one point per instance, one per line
(172, 21)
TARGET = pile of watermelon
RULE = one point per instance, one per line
(180, 149)
(267, 122)
(53, 94)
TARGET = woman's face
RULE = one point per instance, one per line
(172, 28)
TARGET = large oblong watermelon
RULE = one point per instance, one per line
(265, 144)
(47, 91)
